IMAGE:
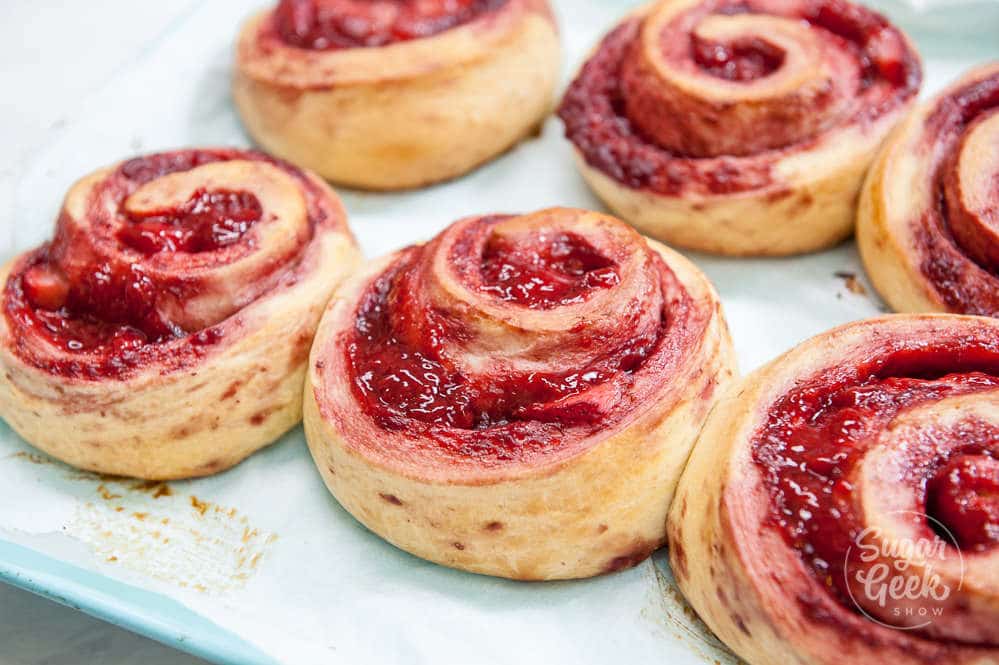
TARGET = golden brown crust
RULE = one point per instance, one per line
(737, 569)
(404, 115)
(592, 506)
(814, 214)
(184, 411)
(906, 233)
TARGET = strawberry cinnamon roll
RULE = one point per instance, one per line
(928, 227)
(740, 127)
(391, 94)
(164, 331)
(842, 503)
(518, 396)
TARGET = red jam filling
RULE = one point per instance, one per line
(882, 50)
(540, 275)
(207, 221)
(743, 60)
(819, 432)
(964, 285)
(108, 322)
(964, 497)
(412, 386)
(399, 383)
(593, 109)
(105, 321)
(337, 24)
(141, 170)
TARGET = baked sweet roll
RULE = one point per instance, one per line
(928, 227)
(390, 94)
(842, 503)
(165, 330)
(518, 396)
(740, 127)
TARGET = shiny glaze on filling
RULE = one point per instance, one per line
(408, 362)
(97, 312)
(817, 434)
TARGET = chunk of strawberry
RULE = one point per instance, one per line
(45, 287)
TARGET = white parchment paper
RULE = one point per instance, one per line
(263, 550)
